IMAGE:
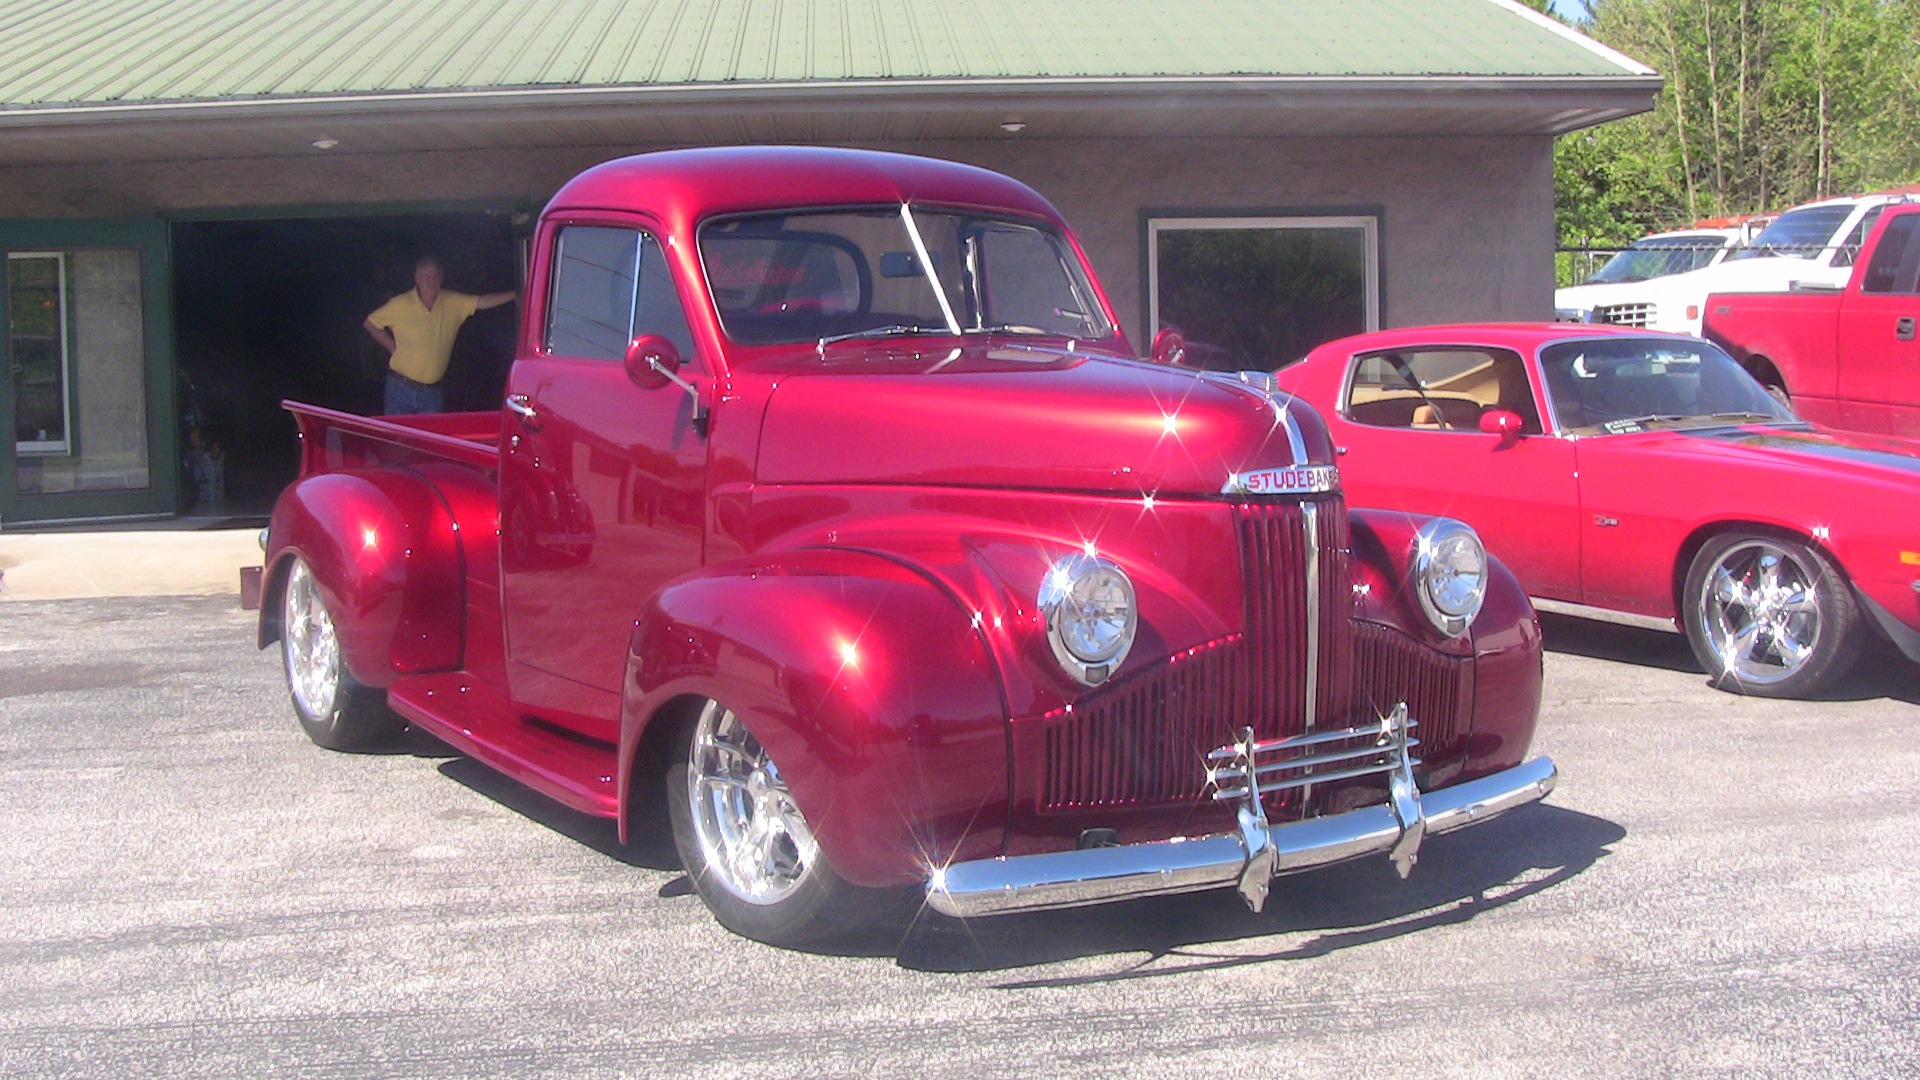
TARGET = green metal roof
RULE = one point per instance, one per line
(65, 53)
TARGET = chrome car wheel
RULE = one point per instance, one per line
(754, 840)
(312, 649)
(336, 710)
(1769, 616)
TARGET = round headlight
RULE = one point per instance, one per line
(1449, 574)
(1088, 604)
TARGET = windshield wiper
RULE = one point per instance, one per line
(1744, 416)
(1635, 423)
(895, 330)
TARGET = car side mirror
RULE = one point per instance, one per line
(1169, 346)
(1504, 423)
(652, 362)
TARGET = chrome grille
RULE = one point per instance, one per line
(1390, 667)
(1143, 741)
(1144, 744)
(1626, 314)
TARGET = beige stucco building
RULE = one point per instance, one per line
(199, 204)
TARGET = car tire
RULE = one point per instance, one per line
(336, 711)
(1770, 616)
(745, 844)
(1770, 380)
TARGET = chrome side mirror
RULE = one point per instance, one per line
(652, 362)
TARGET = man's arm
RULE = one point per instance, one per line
(493, 299)
(382, 335)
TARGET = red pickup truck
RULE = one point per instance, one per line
(1847, 358)
(830, 518)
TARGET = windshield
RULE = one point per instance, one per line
(1658, 258)
(1615, 385)
(816, 276)
(1796, 234)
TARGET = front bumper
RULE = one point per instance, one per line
(1249, 859)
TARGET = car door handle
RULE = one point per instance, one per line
(1903, 328)
(521, 406)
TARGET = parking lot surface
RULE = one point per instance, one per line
(1721, 886)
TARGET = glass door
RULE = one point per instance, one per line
(86, 371)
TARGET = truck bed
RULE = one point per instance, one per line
(332, 440)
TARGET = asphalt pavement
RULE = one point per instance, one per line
(1721, 886)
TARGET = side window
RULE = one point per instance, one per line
(611, 285)
(1896, 260)
(1850, 247)
(1439, 389)
(1025, 284)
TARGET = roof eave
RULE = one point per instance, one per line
(1584, 99)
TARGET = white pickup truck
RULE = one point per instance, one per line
(1810, 246)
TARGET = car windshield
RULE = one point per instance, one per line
(1614, 385)
(1659, 257)
(822, 276)
(1796, 234)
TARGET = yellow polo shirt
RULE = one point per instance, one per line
(423, 338)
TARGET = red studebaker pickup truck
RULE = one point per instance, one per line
(830, 517)
(1848, 358)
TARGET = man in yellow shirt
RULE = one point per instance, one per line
(417, 328)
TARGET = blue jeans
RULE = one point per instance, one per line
(404, 396)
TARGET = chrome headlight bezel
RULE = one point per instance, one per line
(1451, 590)
(1069, 610)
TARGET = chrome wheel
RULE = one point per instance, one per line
(752, 836)
(312, 649)
(1760, 611)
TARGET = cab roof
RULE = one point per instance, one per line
(685, 186)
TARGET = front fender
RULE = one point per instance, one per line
(1504, 641)
(386, 555)
(869, 684)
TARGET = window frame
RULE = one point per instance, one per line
(64, 446)
(644, 235)
(1368, 220)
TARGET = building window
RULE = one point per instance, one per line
(37, 350)
(1256, 293)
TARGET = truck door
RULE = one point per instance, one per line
(602, 481)
(1878, 347)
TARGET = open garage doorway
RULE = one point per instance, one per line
(266, 309)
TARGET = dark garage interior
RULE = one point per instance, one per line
(267, 309)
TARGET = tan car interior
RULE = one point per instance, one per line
(1459, 385)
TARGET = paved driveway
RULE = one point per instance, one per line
(1721, 886)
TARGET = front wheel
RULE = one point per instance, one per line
(335, 710)
(746, 845)
(1770, 617)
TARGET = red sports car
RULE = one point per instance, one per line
(1640, 478)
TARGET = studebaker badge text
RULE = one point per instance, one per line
(1289, 480)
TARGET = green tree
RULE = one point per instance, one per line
(1767, 103)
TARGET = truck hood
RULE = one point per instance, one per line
(1023, 416)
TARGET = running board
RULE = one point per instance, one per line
(474, 718)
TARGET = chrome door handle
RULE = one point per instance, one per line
(522, 406)
(1903, 328)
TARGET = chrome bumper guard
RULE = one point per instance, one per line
(1252, 857)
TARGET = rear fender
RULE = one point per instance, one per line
(385, 551)
(865, 680)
